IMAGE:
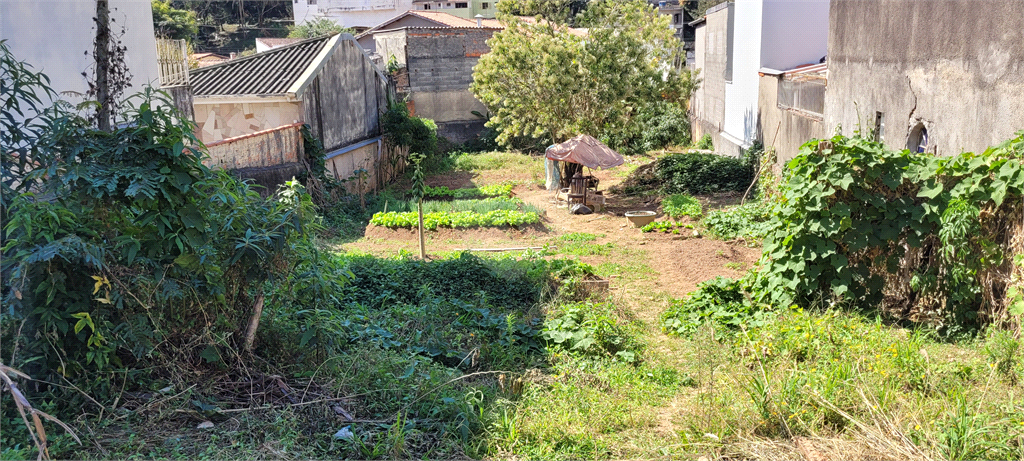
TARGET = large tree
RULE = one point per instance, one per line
(545, 80)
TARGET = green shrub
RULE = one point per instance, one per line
(589, 329)
(656, 126)
(705, 143)
(702, 173)
(719, 301)
(750, 221)
(497, 160)
(137, 242)
(679, 205)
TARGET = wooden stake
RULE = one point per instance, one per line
(423, 251)
(254, 323)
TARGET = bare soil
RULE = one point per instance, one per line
(674, 264)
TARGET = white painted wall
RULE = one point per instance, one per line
(741, 93)
(779, 34)
(793, 32)
(56, 37)
(349, 13)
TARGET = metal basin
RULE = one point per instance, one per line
(640, 218)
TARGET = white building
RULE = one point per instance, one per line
(742, 38)
(357, 14)
(56, 37)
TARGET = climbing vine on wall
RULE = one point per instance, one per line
(927, 237)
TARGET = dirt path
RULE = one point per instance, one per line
(652, 265)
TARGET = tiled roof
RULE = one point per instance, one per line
(441, 18)
(269, 73)
(276, 42)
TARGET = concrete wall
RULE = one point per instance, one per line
(369, 44)
(56, 37)
(359, 14)
(343, 165)
(711, 54)
(261, 149)
(784, 129)
(956, 66)
(388, 44)
(218, 121)
(439, 65)
(343, 103)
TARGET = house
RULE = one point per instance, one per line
(435, 72)
(791, 107)
(426, 18)
(207, 59)
(269, 43)
(939, 76)
(328, 83)
(732, 43)
(56, 38)
(679, 21)
(466, 9)
(356, 14)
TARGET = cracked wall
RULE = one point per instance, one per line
(956, 66)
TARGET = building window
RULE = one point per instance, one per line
(675, 18)
(485, 6)
(426, 6)
(879, 126)
(311, 2)
(462, 5)
(918, 139)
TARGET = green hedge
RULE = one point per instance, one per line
(703, 173)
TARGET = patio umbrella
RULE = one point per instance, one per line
(586, 151)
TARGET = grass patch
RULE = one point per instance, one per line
(494, 190)
(496, 160)
(680, 205)
(474, 205)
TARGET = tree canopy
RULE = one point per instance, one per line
(545, 80)
(317, 28)
(171, 22)
(561, 11)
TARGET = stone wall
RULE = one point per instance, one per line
(219, 121)
(954, 67)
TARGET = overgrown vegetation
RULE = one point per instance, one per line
(931, 236)
(680, 205)
(693, 173)
(750, 221)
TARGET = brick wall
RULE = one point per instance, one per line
(443, 59)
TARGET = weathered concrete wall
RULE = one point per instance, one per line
(956, 66)
(358, 14)
(261, 149)
(784, 129)
(369, 43)
(343, 103)
(711, 47)
(388, 44)
(344, 165)
(439, 69)
(182, 97)
(220, 121)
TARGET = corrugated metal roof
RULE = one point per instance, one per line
(441, 18)
(807, 72)
(269, 73)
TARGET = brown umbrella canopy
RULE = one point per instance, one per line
(586, 151)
